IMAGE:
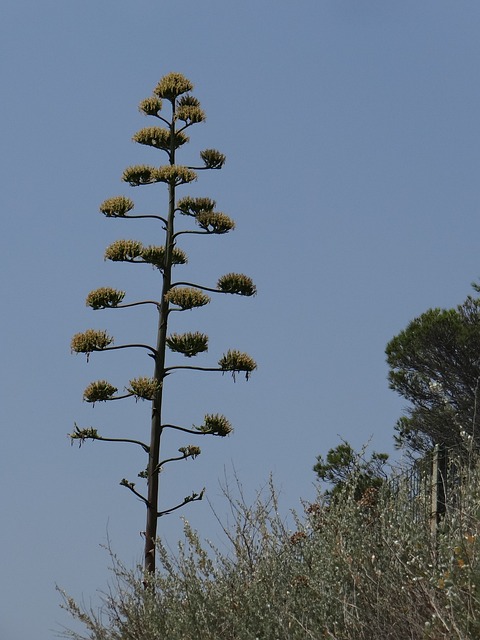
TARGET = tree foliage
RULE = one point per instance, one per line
(435, 365)
(342, 466)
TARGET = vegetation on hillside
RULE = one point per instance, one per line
(352, 569)
(342, 463)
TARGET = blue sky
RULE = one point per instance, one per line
(352, 142)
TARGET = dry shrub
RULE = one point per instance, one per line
(351, 570)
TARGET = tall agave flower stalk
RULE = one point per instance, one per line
(183, 111)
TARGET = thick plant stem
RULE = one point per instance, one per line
(159, 375)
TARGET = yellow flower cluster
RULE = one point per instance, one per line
(214, 222)
(189, 344)
(187, 297)
(173, 85)
(90, 340)
(215, 424)
(116, 207)
(99, 391)
(160, 138)
(104, 297)
(237, 283)
(235, 360)
(144, 388)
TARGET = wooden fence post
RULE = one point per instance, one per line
(438, 487)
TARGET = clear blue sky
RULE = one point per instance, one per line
(351, 132)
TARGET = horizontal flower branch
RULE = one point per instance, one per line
(89, 433)
(134, 252)
(233, 283)
(120, 206)
(131, 485)
(142, 388)
(190, 451)
(192, 498)
(213, 424)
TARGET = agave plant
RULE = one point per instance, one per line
(176, 110)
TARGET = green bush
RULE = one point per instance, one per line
(354, 569)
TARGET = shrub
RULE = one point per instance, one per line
(350, 570)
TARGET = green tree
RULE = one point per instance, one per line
(183, 112)
(343, 466)
(435, 365)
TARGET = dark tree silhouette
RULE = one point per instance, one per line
(435, 365)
